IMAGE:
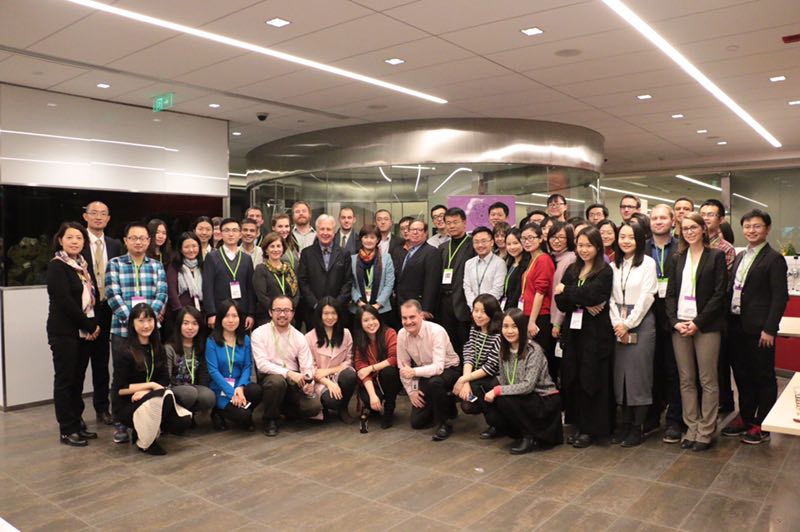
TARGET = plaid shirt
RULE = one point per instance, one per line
(121, 288)
(723, 245)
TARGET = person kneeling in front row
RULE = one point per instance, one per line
(285, 367)
(428, 370)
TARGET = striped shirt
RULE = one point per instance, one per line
(121, 288)
(483, 348)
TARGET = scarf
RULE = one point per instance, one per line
(82, 269)
(188, 281)
(366, 261)
(285, 271)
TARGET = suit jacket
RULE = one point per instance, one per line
(315, 282)
(113, 249)
(710, 290)
(394, 243)
(465, 252)
(217, 282)
(384, 289)
(765, 292)
(421, 278)
(351, 245)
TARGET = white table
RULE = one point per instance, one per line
(781, 418)
(789, 327)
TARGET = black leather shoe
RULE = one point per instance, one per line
(583, 441)
(105, 418)
(442, 433)
(699, 446)
(218, 421)
(687, 444)
(271, 428)
(87, 435)
(574, 437)
(526, 445)
(387, 420)
(620, 434)
(634, 438)
(154, 450)
(489, 434)
(73, 440)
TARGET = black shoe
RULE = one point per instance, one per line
(699, 447)
(218, 421)
(105, 418)
(271, 428)
(672, 434)
(387, 420)
(73, 440)
(574, 437)
(87, 435)
(453, 413)
(363, 420)
(489, 434)
(651, 426)
(583, 441)
(620, 434)
(526, 445)
(687, 444)
(443, 432)
(634, 437)
(154, 450)
(345, 416)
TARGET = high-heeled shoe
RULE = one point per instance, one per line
(363, 421)
(526, 445)
(218, 421)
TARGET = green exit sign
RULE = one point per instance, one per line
(163, 101)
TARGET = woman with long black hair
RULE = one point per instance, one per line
(160, 248)
(186, 362)
(184, 279)
(375, 358)
(516, 263)
(373, 273)
(205, 233)
(139, 393)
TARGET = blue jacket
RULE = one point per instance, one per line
(218, 369)
(385, 287)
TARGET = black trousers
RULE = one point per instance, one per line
(439, 400)
(754, 371)
(284, 397)
(99, 355)
(70, 359)
(244, 416)
(387, 386)
(666, 384)
(347, 381)
(479, 389)
(170, 420)
(458, 331)
(527, 415)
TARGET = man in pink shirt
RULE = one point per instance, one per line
(428, 370)
(285, 367)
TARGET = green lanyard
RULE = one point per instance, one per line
(225, 260)
(450, 253)
(482, 277)
(661, 256)
(291, 258)
(152, 365)
(191, 367)
(741, 273)
(368, 275)
(513, 377)
(480, 352)
(281, 282)
(581, 282)
(136, 278)
(231, 357)
(508, 276)
(694, 270)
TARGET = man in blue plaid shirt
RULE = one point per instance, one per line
(132, 279)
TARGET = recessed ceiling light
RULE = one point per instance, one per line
(532, 31)
(677, 115)
(214, 105)
(794, 102)
(51, 104)
(644, 97)
(722, 143)
(278, 22)
(237, 133)
(773, 79)
(394, 61)
(568, 52)
(103, 86)
(701, 131)
(377, 106)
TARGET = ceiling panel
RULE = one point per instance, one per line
(300, 82)
(653, 10)
(416, 54)
(640, 83)
(382, 5)
(145, 95)
(239, 71)
(35, 73)
(505, 98)
(188, 12)
(86, 85)
(452, 72)
(35, 26)
(601, 68)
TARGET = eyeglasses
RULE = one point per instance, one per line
(417, 230)
(101, 214)
(231, 230)
(558, 237)
(282, 310)
(754, 227)
(529, 238)
(691, 229)
(438, 216)
(137, 238)
(554, 203)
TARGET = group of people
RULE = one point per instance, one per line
(611, 325)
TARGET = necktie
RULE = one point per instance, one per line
(100, 268)
(326, 257)
(344, 240)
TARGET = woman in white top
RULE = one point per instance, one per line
(632, 296)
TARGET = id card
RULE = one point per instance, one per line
(662, 288)
(415, 384)
(197, 303)
(236, 290)
(689, 308)
(736, 300)
(447, 276)
(521, 304)
(232, 382)
(368, 294)
(135, 300)
(576, 321)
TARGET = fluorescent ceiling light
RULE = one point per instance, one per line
(774, 79)
(645, 97)
(413, 167)
(698, 182)
(548, 195)
(234, 174)
(642, 27)
(701, 131)
(530, 204)
(103, 86)
(394, 61)
(722, 143)
(386, 177)
(214, 105)
(532, 31)
(677, 115)
(794, 102)
(750, 200)
(457, 170)
(237, 133)
(278, 22)
(236, 43)
(637, 194)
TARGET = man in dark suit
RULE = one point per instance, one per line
(97, 251)
(347, 237)
(418, 273)
(228, 274)
(389, 241)
(454, 312)
(324, 270)
(757, 297)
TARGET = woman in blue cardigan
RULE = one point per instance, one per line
(373, 273)
(230, 364)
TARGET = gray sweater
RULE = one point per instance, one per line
(531, 375)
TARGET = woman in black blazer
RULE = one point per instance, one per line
(71, 325)
(273, 277)
(695, 308)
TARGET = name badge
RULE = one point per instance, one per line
(236, 290)
(368, 294)
(521, 304)
(197, 303)
(230, 381)
(415, 384)
(662, 288)
(576, 322)
(447, 276)
(736, 300)
(135, 300)
(689, 307)
(502, 302)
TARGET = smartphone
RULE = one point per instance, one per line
(246, 406)
(472, 398)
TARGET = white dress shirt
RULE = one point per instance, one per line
(640, 287)
(430, 350)
(277, 353)
(484, 276)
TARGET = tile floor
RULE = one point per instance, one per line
(331, 477)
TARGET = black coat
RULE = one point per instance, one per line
(420, 279)
(765, 292)
(267, 288)
(217, 282)
(465, 252)
(65, 316)
(710, 289)
(351, 245)
(113, 249)
(315, 282)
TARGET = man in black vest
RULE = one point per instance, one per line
(454, 312)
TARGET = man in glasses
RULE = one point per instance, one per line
(628, 206)
(437, 220)
(557, 207)
(228, 274)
